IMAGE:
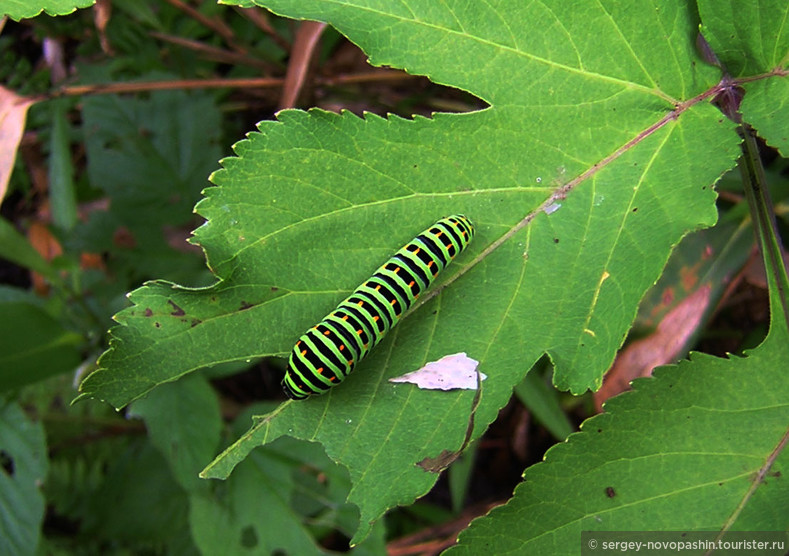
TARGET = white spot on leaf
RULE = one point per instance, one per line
(451, 372)
(553, 207)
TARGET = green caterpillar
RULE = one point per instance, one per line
(328, 351)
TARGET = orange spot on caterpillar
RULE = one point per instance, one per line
(375, 318)
(327, 333)
(303, 352)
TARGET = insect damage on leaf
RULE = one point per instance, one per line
(451, 372)
(446, 457)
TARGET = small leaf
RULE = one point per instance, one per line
(33, 345)
(62, 195)
(451, 372)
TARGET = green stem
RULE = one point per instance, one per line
(763, 216)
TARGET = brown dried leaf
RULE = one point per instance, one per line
(659, 348)
(13, 112)
(48, 247)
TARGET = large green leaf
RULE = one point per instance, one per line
(686, 450)
(19, 9)
(599, 108)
